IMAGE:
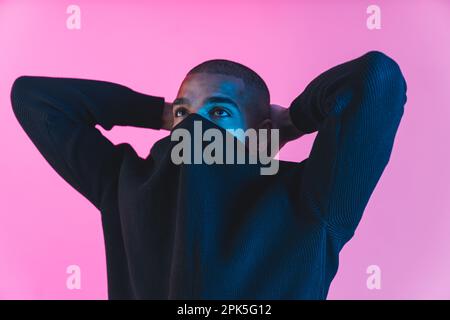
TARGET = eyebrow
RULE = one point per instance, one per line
(213, 99)
(180, 101)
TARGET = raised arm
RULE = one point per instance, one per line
(59, 116)
(356, 108)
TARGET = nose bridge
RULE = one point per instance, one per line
(198, 108)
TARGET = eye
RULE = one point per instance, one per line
(180, 112)
(219, 112)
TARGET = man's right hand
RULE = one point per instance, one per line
(167, 117)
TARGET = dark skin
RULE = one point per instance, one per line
(227, 102)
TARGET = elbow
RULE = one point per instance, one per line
(20, 89)
(23, 97)
(383, 78)
(21, 84)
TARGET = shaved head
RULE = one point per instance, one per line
(256, 91)
(228, 93)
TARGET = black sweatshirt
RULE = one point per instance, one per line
(220, 231)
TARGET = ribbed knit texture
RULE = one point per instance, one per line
(220, 231)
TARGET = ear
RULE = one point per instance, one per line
(265, 124)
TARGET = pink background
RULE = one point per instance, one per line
(149, 46)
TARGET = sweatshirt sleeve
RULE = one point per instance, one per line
(59, 115)
(356, 108)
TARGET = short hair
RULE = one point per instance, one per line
(231, 68)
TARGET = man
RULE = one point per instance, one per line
(218, 231)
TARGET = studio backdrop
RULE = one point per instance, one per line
(48, 232)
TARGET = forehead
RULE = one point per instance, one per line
(200, 85)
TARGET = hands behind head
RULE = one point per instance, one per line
(167, 116)
(279, 116)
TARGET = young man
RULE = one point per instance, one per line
(221, 231)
